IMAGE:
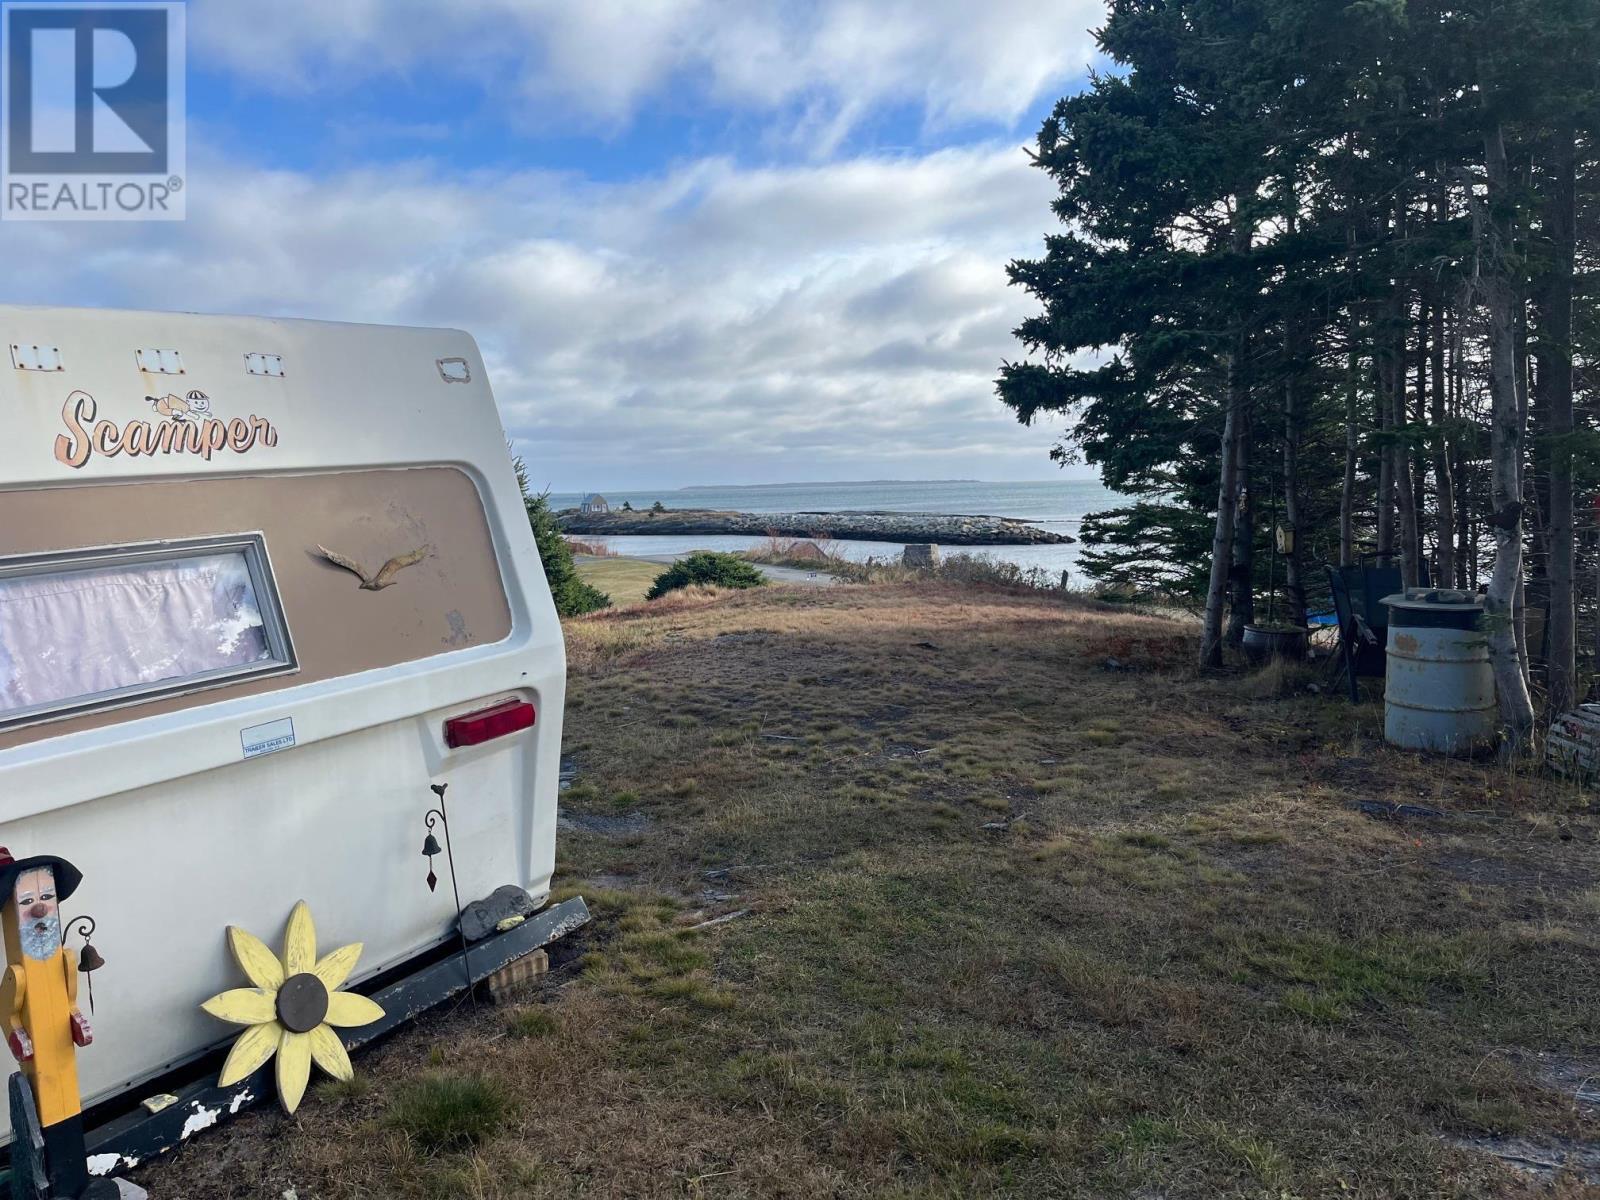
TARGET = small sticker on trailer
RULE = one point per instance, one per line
(268, 738)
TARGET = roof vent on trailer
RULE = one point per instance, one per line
(160, 362)
(270, 365)
(455, 370)
(36, 358)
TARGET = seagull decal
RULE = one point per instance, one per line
(385, 576)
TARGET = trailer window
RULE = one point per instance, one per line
(100, 628)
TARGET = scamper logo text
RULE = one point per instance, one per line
(185, 426)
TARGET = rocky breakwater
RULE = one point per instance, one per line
(946, 529)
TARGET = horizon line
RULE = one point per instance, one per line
(694, 487)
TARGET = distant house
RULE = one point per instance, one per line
(593, 503)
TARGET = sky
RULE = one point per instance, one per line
(699, 241)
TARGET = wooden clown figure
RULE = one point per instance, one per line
(43, 1027)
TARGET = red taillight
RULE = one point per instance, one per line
(474, 728)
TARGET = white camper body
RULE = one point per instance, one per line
(154, 466)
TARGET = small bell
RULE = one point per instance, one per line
(89, 959)
(430, 847)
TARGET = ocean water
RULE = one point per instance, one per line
(1057, 505)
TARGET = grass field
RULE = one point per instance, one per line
(1014, 923)
(625, 580)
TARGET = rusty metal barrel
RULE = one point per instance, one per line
(1439, 687)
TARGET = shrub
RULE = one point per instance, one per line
(815, 553)
(981, 569)
(444, 1111)
(707, 568)
(571, 594)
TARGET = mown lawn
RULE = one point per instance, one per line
(625, 580)
(1016, 923)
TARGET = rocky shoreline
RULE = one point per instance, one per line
(945, 529)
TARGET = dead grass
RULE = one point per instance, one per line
(1018, 923)
(592, 549)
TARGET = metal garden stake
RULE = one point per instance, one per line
(430, 847)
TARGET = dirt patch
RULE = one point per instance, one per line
(1575, 1078)
(1544, 1159)
(1554, 872)
(613, 825)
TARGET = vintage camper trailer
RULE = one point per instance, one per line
(258, 579)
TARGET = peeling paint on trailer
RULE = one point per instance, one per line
(201, 1118)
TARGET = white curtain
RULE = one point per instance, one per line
(76, 634)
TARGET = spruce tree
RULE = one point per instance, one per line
(1315, 264)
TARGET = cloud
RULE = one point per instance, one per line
(823, 62)
(711, 322)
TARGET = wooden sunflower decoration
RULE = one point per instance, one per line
(292, 1008)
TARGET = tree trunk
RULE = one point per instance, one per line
(1294, 591)
(1418, 450)
(1383, 378)
(1505, 442)
(1530, 529)
(1294, 588)
(1227, 510)
(1443, 484)
(1405, 490)
(1519, 624)
(1466, 528)
(1352, 430)
(1352, 452)
(1553, 354)
(1241, 577)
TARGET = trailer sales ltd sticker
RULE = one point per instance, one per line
(265, 739)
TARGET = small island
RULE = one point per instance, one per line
(863, 526)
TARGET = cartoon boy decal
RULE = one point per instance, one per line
(171, 406)
(39, 1005)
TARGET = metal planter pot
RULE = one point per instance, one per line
(1263, 643)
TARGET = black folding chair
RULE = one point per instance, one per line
(1358, 592)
